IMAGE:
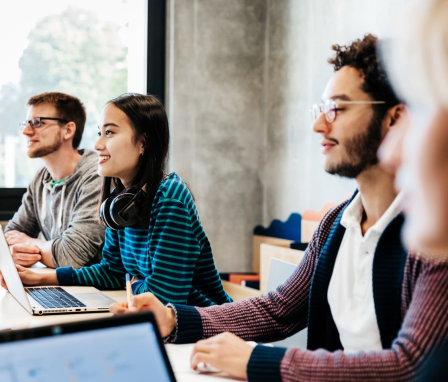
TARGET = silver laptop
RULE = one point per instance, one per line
(49, 299)
(109, 349)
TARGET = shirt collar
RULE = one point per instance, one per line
(352, 215)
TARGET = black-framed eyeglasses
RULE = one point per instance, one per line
(35, 123)
(330, 108)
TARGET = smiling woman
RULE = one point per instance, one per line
(118, 149)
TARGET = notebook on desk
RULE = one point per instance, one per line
(112, 349)
(49, 299)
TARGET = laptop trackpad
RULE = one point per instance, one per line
(96, 300)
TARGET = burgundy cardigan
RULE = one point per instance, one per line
(423, 323)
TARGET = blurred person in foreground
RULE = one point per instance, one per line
(417, 148)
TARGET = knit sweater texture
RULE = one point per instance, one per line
(171, 257)
(411, 323)
(66, 213)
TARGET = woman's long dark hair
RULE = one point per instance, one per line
(150, 123)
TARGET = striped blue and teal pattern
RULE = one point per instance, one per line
(172, 258)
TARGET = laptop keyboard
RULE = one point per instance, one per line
(54, 297)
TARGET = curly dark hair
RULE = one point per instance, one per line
(362, 54)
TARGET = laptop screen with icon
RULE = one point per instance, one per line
(121, 348)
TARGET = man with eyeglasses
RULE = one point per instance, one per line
(363, 297)
(61, 200)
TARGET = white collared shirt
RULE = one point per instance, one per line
(350, 292)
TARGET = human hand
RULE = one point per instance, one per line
(165, 317)
(24, 254)
(226, 352)
(30, 277)
(16, 237)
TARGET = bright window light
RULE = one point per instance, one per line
(94, 50)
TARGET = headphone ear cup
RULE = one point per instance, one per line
(105, 214)
(124, 210)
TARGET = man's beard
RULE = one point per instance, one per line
(48, 149)
(362, 151)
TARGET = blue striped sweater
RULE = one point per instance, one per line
(172, 257)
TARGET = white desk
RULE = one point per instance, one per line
(179, 356)
(12, 315)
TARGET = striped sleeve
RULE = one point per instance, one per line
(109, 273)
(174, 254)
(207, 286)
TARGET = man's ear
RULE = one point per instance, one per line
(70, 129)
(395, 113)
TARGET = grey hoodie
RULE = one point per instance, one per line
(66, 213)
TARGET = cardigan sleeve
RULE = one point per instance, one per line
(425, 325)
(274, 316)
(283, 312)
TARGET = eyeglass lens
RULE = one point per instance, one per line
(328, 108)
(35, 122)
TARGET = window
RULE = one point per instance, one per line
(94, 50)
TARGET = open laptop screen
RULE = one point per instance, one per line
(125, 352)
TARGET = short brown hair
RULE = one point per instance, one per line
(68, 107)
(362, 54)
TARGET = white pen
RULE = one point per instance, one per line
(129, 294)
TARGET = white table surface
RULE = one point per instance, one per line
(179, 356)
(12, 315)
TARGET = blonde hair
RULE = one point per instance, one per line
(418, 59)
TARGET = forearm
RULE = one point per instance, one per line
(99, 275)
(396, 364)
(168, 282)
(187, 326)
(31, 276)
(423, 328)
(27, 227)
(165, 289)
(294, 365)
(49, 278)
(174, 254)
(272, 317)
(108, 274)
(76, 248)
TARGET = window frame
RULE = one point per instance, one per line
(11, 198)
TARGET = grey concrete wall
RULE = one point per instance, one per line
(241, 77)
